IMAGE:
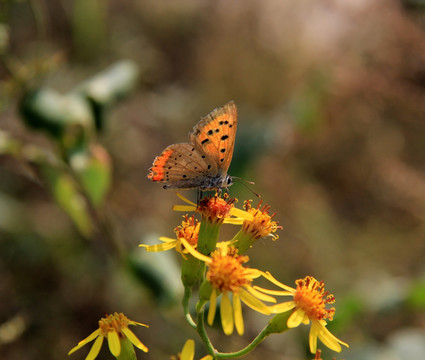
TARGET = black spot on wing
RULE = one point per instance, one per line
(224, 137)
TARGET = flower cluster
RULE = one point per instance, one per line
(224, 273)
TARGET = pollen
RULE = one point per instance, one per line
(311, 297)
(188, 230)
(226, 272)
(262, 224)
(215, 209)
(113, 323)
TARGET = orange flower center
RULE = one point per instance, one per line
(310, 296)
(188, 230)
(226, 272)
(114, 322)
(215, 209)
(261, 225)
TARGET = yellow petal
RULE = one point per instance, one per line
(326, 337)
(241, 214)
(269, 277)
(195, 253)
(312, 338)
(296, 318)
(187, 201)
(237, 313)
(254, 303)
(184, 208)
(224, 245)
(188, 351)
(283, 307)
(260, 295)
(166, 239)
(94, 351)
(213, 307)
(226, 314)
(207, 357)
(114, 343)
(233, 221)
(159, 247)
(89, 338)
(273, 292)
(134, 340)
(131, 322)
(253, 273)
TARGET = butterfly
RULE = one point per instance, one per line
(203, 162)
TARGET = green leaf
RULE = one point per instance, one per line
(93, 169)
(66, 194)
(416, 296)
(8, 145)
(67, 118)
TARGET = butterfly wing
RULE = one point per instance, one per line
(215, 134)
(182, 166)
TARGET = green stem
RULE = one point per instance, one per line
(207, 236)
(259, 338)
(203, 334)
(185, 302)
(243, 241)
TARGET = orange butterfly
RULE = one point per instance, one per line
(202, 163)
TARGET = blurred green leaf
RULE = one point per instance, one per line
(93, 169)
(108, 87)
(68, 118)
(347, 310)
(8, 145)
(416, 296)
(66, 194)
(159, 272)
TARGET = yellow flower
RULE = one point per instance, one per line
(188, 230)
(259, 226)
(114, 328)
(216, 209)
(308, 304)
(188, 352)
(227, 275)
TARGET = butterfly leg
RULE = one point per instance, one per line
(199, 196)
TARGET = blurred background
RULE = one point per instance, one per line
(331, 101)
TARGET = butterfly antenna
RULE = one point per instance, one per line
(245, 183)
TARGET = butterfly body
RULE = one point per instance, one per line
(204, 161)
